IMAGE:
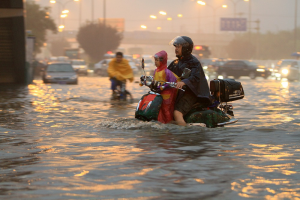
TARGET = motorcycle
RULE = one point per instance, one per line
(218, 114)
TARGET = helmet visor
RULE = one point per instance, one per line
(179, 41)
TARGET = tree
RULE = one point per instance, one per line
(37, 20)
(241, 48)
(96, 39)
(264, 46)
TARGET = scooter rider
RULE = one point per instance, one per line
(197, 90)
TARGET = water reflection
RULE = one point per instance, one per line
(273, 171)
(13, 106)
(67, 142)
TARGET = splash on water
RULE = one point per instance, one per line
(131, 123)
(135, 124)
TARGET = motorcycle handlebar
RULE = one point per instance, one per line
(152, 84)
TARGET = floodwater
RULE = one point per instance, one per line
(72, 142)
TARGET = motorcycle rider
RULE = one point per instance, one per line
(196, 86)
(119, 71)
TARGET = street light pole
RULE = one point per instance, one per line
(80, 6)
(202, 3)
(62, 7)
(250, 20)
(295, 31)
(234, 6)
(104, 13)
(214, 18)
(199, 19)
(92, 11)
(104, 24)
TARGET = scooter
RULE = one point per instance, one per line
(218, 114)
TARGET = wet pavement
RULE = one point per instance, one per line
(72, 142)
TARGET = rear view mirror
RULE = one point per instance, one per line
(143, 64)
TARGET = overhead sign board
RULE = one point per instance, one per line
(233, 24)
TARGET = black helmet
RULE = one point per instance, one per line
(186, 43)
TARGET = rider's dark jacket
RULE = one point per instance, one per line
(197, 81)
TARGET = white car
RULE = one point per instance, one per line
(149, 66)
(79, 66)
(101, 67)
(287, 68)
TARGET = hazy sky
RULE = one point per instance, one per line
(274, 15)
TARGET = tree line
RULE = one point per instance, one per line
(264, 46)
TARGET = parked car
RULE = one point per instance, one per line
(60, 72)
(79, 66)
(288, 68)
(101, 67)
(238, 68)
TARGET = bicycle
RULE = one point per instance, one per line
(121, 94)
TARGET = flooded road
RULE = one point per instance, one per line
(72, 142)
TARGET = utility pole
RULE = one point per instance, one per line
(257, 28)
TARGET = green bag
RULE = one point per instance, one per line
(148, 107)
(210, 117)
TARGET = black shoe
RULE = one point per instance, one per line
(114, 96)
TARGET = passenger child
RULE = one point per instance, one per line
(169, 94)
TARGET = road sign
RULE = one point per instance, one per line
(233, 24)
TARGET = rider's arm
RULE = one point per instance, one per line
(195, 74)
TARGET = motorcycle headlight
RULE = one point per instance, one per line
(149, 80)
(285, 71)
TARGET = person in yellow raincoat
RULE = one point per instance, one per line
(119, 71)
